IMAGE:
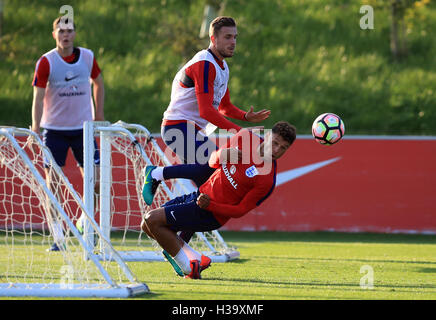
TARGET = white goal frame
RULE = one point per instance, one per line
(15, 160)
(217, 249)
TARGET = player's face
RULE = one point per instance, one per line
(225, 41)
(274, 146)
(64, 38)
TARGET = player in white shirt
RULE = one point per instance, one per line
(63, 97)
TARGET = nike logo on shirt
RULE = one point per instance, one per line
(69, 79)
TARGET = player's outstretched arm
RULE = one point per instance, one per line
(257, 116)
(231, 111)
(248, 203)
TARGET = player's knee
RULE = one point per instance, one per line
(145, 228)
(153, 219)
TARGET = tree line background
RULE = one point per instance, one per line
(298, 58)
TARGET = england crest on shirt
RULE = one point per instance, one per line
(251, 172)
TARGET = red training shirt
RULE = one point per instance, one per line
(236, 189)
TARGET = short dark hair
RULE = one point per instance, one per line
(58, 20)
(286, 130)
(219, 22)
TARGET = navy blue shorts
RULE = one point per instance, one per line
(191, 147)
(183, 214)
(59, 141)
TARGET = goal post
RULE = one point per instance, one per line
(38, 208)
(125, 149)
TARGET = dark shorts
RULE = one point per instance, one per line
(183, 214)
(59, 141)
(185, 140)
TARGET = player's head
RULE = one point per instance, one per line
(64, 32)
(278, 140)
(223, 33)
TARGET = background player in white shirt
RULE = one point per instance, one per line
(62, 97)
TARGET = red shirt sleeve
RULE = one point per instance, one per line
(42, 72)
(203, 74)
(95, 69)
(229, 109)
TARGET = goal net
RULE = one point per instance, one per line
(38, 207)
(125, 150)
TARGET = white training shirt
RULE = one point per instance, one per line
(68, 98)
(183, 104)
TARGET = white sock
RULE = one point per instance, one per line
(191, 253)
(157, 173)
(58, 233)
(183, 261)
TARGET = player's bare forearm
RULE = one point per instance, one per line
(37, 108)
(99, 98)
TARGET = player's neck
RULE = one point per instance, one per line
(65, 52)
(216, 53)
(217, 59)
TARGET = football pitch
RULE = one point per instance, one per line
(321, 265)
(305, 266)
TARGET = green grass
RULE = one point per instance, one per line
(278, 266)
(307, 266)
(298, 58)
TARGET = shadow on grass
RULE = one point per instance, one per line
(427, 270)
(238, 261)
(350, 260)
(149, 295)
(351, 286)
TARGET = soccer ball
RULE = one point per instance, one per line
(328, 128)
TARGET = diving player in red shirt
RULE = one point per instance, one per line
(245, 176)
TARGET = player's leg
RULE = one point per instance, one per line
(190, 218)
(181, 139)
(154, 175)
(182, 213)
(76, 143)
(155, 224)
(55, 141)
(170, 259)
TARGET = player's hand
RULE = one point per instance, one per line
(257, 116)
(31, 141)
(203, 200)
